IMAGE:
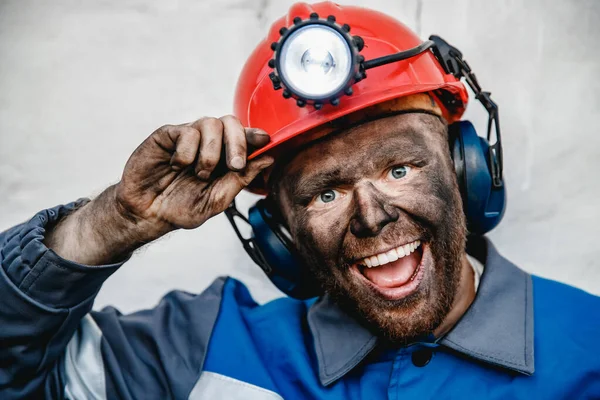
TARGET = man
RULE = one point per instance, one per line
(377, 210)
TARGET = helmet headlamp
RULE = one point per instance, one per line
(316, 61)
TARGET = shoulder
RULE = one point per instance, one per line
(567, 321)
(241, 318)
(564, 302)
(236, 298)
(250, 340)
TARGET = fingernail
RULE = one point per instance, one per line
(237, 162)
(259, 132)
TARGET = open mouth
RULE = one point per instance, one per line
(395, 273)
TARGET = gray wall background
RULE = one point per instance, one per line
(83, 83)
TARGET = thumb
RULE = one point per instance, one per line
(233, 182)
(254, 168)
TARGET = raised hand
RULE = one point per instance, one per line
(182, 175)
(179, 177)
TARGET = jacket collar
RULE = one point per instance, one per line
(497, 329)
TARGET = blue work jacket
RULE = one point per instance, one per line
(524, 337)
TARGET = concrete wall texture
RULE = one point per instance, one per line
(83, 83)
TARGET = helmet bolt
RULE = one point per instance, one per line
(286, 94)
(297, 20)
(335, 101)
(283, 31)
(314, 16)
(349, 91)
(271, 63)
(274, 46)
(346, 28)
(331, 18)
(318, 106)
(359, 42)
(300, 102)
(276, 81)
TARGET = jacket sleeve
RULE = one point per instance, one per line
(53, 346)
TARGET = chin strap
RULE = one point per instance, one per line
(452, 61)
(249, 244)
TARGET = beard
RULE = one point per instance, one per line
(417, 315)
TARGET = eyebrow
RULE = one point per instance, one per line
(304, 189)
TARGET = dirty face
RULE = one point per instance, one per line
(376, 214)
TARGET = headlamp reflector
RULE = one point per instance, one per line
(315, 62)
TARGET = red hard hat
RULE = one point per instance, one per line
(258, 105)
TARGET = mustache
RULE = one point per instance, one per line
(393, 235)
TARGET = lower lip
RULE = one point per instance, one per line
(400, 292)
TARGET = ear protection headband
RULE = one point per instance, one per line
(478, 165)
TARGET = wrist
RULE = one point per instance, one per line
(98, 233)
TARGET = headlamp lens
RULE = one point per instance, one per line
(315, 62)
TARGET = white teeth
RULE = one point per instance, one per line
(391, 255)
(401, 252)
(382, 259)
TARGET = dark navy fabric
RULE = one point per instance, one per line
(523, 337)
(42, 299)
(159, 351)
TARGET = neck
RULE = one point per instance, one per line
(464, 297)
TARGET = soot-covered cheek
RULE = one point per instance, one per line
(320, 235)
(439, 196)
(427, 193)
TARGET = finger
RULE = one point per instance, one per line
(211, 140)
(231, 184)
(234, 136)
(186, 140)
(256, 138)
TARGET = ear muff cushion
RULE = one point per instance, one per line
(483, 204)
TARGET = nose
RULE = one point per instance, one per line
(372, 212)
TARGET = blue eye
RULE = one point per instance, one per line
(328, 196)
(399, 171)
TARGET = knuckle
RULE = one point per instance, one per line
(165, 128)
(211, 123)
(230, 118)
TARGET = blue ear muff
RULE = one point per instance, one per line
(282, 265)
(483, 203)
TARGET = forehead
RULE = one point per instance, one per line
(406, 135)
